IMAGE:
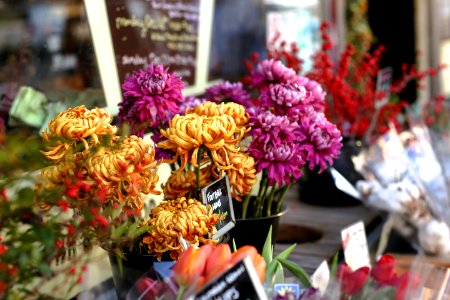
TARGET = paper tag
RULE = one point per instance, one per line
(343, 184)
(283, 290)
(321, 277)
(384, 81)
(354, 243)
(238, 282)
(218, 195)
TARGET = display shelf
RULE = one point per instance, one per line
(322, 229)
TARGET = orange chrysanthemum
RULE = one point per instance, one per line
(186, 218)
(76, 125)
(128, 168)
(182, 184)
(190, 132)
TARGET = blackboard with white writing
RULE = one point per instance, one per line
(218, 196)
(238, 282)
(155, 31)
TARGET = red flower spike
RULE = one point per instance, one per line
(3, 249)
(102, 220)
(59, 243)
(72, 191)
(352, 282)
(70, 229)
(4, 195)
(13, 271)
(72, 270)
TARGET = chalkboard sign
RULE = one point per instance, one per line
(218, 195)
(155, 31)
(238, 282)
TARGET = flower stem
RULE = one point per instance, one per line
(262, 199)
(269, 202)
(245, 205)
(197, 173)
(280, 198)
(180, 292)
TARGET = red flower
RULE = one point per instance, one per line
(352, 281)
(64, 205)
(403, 284)
(59, 243)
(384, 271)
(3, 249)
(72, 191)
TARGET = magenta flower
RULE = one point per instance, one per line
(288, 99)
(190, 102)
(270, 72)
(159, 152)
(316, 94)
(322, 143)
(151, 98)
(269, 127)
(227, 91)
(282, 162)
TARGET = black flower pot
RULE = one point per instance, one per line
(134, 266)
(253, 231)
(320, 189)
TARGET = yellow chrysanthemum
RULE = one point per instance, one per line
(234, 110)
(182, 183)
(242, 175)
(186, 218)
(190, 132)
(76, 125)
(128, 168)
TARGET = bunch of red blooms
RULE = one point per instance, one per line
(379, 282)
(350, 83)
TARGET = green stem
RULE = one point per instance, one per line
(263, 198)
(197, 173)
(280, 198)
(180, 292)
(245, 205)
(270, 200)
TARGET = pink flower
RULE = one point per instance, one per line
(283, 162)
(227, 91)
(151, 98)
(316, 94)
(322, 143)
(270, 71)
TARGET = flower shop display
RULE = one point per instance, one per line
(275, 128)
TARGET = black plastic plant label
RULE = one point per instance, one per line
(218, 195)
(238, 282)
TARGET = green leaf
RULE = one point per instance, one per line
(279, 274)
(297, 271)
(139, 231)
(272, 266)
(234, 246)
(132, 228)
(119, 231)
(267, 248)
(334, 264)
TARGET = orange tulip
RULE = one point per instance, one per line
(191, 264)
(218, 260)
(258, 261)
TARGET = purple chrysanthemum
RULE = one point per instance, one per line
(316, 96)
(270, 72)
(268, 127)
(159, 152)
(190, 102)
(151, 98)
(322, 143)
(227, 91)
(282, 162)
(289, 99)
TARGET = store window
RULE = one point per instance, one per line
(47, 60)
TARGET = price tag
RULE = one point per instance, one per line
(238, 282)
(384, 81)
(354, 243)
(218, 195)
(321, 277)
